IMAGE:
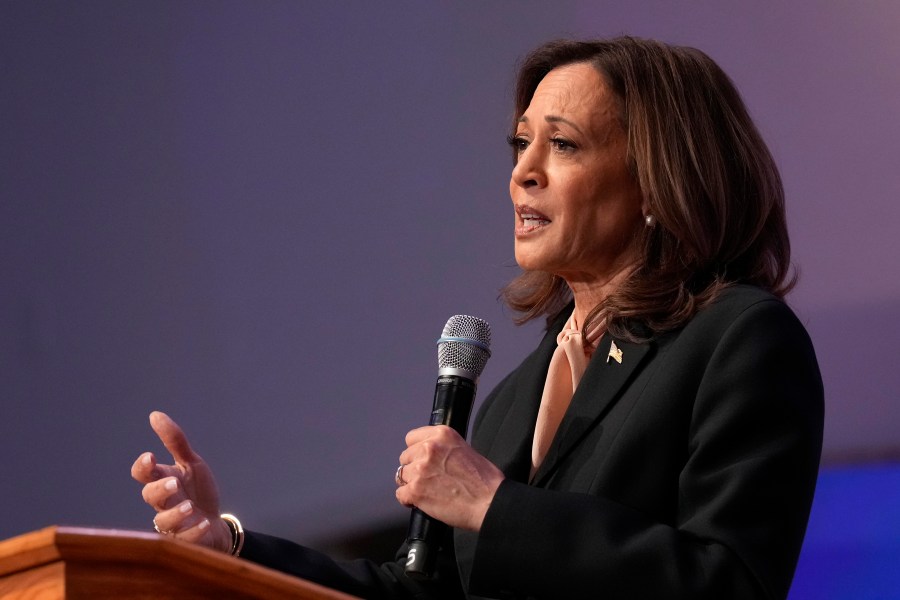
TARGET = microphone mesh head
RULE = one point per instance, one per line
(465, 344)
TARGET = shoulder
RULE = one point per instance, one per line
(746, 326)
(737, 299)
(743, 306)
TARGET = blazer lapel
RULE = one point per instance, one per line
(599, 388)
(510, 447)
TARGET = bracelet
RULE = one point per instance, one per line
(237, 533)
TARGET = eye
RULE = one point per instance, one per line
(517, 143)
(562, 145)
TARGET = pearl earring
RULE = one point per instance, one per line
(650, 220)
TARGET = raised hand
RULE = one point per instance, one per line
(184, 494)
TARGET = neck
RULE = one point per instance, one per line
(590, 292)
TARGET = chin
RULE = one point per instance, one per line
(534, 255)
(525, 262)
(531, 264)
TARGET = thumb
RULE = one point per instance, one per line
(172, 437)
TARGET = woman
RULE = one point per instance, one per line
(663, 440)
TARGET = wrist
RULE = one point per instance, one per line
(485, 506)
(235, 534)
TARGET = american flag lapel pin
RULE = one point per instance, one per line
(614, 353)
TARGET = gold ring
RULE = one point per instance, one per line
(160, 531)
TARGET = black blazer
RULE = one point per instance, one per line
(685, 471)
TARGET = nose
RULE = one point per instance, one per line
(529, 170)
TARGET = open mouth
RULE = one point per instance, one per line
(530, 219)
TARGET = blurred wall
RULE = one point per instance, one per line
(258, 217)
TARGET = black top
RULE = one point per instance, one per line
(685, 471)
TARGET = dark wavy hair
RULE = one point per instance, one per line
(704, 172)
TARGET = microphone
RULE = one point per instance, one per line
(463, 349)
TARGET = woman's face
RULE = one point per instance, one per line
(577, 207)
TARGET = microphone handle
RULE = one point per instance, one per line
(453, 398)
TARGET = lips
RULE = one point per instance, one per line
(529, 220)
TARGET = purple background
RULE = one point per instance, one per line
(257, 216)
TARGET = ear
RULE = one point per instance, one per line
(645, 207)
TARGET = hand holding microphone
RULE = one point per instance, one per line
(442, 476)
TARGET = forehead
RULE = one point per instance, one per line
(576, 90)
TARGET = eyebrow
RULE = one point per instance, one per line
(554, 119)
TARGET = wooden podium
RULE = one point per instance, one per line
(75, 562)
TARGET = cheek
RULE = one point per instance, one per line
(608, 217)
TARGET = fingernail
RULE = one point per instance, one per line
(145, 460)
(203, 524)
(172, 485)
(186, 507)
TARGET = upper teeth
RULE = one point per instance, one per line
(532, 219)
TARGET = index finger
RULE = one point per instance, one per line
(423, 433)
(172, 437)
